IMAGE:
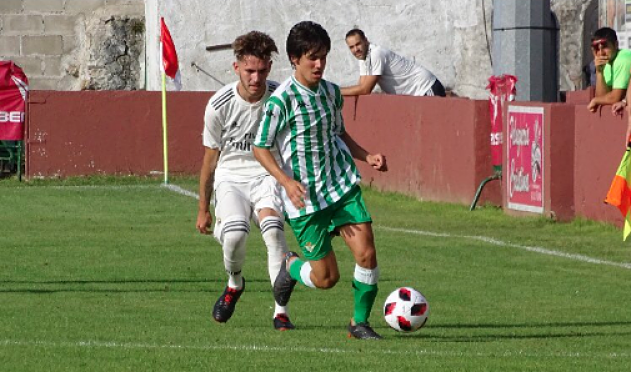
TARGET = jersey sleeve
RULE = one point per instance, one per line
(211, 136)
(272, 121)
(622, 74)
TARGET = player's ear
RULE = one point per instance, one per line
(235, 65)
(294, 61)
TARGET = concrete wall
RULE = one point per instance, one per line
(87, 133)
(54, 41)
(450, 37)
(437, 148)
(446, 36)
(600, 144)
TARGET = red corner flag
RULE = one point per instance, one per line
(169, 55)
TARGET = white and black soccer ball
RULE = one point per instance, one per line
(406, 309)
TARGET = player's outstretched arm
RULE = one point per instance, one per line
(377, 161)
(294, 189)
(206, 181)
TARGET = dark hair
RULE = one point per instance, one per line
(307, 37)
(254, 43)
(607, 34)
(354, 32)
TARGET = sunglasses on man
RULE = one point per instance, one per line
(599, 44)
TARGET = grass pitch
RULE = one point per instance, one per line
(110, 275)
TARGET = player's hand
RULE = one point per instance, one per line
(593, 106)
(377, 161)
(618, 108)
(296, 193)
(204, 222)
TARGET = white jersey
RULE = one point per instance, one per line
(230, 125)
(398, 75)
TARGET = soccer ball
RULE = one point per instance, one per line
(406, 309)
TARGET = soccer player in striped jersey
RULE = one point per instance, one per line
(319, 179)
(243, 189)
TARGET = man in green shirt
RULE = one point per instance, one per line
(319, 179)
(613, 68)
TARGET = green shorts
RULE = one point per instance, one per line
(315, 231)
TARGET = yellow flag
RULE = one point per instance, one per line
(619, 194)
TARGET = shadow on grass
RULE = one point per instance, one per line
(538, 335)
(517, 331)
(125, 286)
(530, 325)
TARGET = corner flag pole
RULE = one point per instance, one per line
(165, 147)
(171, 69)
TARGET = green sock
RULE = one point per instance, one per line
(364, 295)
(294, 270)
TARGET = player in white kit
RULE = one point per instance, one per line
(243, 189)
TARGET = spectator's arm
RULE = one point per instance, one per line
(601, 86)
(600, 61)
(616, 95)
(365, 86)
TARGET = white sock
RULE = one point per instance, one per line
(366, 276)
(272, 230)
(280, 310)
(234, 256)
(235, 281)
(305, 274)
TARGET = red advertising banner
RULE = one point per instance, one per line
(13, 91)
(525, 158)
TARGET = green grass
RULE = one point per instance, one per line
(115, 278)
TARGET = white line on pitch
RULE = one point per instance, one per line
(313, 350)
(549, 252)
(181, 191)
(485, 239)
(492, 241)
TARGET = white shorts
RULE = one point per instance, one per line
(241, 201)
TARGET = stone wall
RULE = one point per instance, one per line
(75, 44)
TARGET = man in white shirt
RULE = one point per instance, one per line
(393, 73)
(243, 189)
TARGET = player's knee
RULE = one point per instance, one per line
(234, 240)
(273, 232)
(366, 257)
(327, 282)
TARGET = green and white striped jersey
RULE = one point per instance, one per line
(306, 125)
